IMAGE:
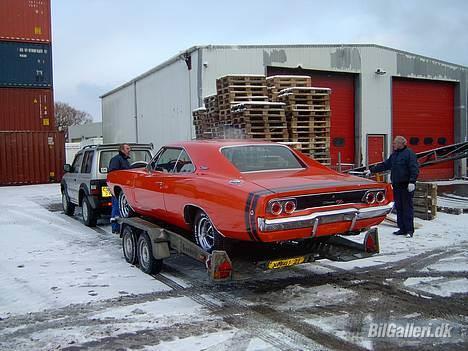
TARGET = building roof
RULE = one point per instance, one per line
(182, 54)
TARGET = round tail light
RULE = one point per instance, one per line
(289, 207)
(380, 197)
(276, 208)
(370, 198)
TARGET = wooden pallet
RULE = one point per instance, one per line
(252, 80)
(425, 201)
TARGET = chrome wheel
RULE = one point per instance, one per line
(205, 233)
(124, 208)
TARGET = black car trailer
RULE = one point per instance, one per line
(147, 244)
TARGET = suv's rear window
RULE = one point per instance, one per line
(251, 158)
(135, 156)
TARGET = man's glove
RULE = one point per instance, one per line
(411, 187)
(367, 173)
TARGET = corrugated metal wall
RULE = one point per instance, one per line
(31, 157)
(118, 121)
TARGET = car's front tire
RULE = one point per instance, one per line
(88, 213)
(206, 235)
(124, 208)
(68, 207)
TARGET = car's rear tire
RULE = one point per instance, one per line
(88, 213)
(129, 245)
(124, 208)
(206, 235)
(148, 263)
(68, 207)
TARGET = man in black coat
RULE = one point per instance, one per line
(404, 173)
(119, 161)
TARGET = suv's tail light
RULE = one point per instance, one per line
(94, 187)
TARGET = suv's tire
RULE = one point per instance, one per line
(124, 208)
(68, 207)
(88, 214)
(148, 263)
(129, 245)
(206, 236)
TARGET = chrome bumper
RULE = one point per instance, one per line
(314, 219)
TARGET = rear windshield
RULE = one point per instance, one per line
(251, 158)
(135, 156)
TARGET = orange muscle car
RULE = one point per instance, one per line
(250, 191)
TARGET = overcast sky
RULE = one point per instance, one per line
(100, 44)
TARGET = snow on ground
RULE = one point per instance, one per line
(49, 260)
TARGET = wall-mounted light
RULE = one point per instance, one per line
(380, 72)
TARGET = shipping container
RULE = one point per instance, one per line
(31, 157)
(25, 65)
(25, 20)
(26, 109)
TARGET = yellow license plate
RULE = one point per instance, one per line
(285, 262)
(105, 192)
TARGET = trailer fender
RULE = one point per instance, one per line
(159, 243)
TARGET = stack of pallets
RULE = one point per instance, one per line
(425, 200)
(277, 83)
(260, 120)
(278, 108)
(234, 89)
(308, 119)
(199, 121)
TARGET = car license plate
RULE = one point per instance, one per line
(105, 192)
(285, 262)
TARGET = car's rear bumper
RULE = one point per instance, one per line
(314, 220)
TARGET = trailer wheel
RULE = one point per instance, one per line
(88, 214)
(148, 263)
(129, 245)
(206, 236)
(68, 207)
(124, 208)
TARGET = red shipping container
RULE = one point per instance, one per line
(26, 109)
(31, 157)
(25, 20)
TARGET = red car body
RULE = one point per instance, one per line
(243, 205)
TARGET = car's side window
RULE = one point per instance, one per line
(76, 166)
(87, 162)
(184, 164)
(167, 160)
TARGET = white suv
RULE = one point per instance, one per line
(84, 181)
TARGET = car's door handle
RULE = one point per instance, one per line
(159, 183)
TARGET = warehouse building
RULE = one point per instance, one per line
(377, 93)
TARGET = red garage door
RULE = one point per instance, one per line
(342, 108)
(423, 112)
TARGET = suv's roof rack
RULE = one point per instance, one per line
(112, 146)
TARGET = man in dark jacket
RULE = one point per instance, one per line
(404, 172)
(119, 161)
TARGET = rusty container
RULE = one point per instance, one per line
(25, 20)
(31, 157)
(26, 109)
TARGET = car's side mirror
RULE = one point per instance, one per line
(67, 168)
